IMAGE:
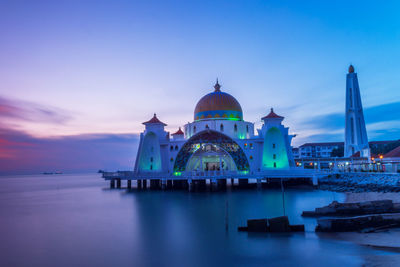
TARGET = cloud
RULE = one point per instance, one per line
(23, 153)
(29, 111)
(383, 123)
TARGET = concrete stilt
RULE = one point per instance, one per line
(112, 183)
(119, 183)
(315, 180)
(169, 184)
(214, 185)
(190, 185)
(163, 184)
(144, 183)
(129, 184)
(139, 184)
(259, 184)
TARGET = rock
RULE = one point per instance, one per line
(258, 225)
(273, 225)
(357, 223)
(358, 208)
(279, 224)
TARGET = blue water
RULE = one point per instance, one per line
(75, 220)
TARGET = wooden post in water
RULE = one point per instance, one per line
(226, 216)
(283, 197)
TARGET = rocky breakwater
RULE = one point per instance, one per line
(366, 216)
(361, 182)
(358, 208)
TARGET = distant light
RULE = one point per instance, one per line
(380, 156)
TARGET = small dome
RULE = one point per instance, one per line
(351, 69)
(218, 105)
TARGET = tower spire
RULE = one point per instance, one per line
(217, 87)
(356, 139)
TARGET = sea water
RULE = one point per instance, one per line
(76, 220)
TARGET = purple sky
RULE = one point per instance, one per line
(79, 77)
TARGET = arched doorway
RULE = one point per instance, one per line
(210, 157)
(214, 145)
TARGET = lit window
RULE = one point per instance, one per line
(245, 145)
(176, 147)
(251, 145)
(251, 157)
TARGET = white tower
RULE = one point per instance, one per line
(356, 139)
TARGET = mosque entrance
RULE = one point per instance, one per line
(208, 150)
(210, 157)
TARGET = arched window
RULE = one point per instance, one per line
(171, 148)
(235, 127)
(251, 157)
(151, 167)
(247, 128)
(274, 164)
(245, 145)
(176, 147)
(194, 129)
(207, 127)
(151, 159)
(172, 159)
(221, 127)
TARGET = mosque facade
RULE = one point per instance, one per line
(218, 140)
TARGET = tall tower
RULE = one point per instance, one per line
(356, 139)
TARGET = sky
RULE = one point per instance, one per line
(77, 78)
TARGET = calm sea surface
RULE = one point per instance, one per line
(75, 220)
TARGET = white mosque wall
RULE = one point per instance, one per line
(149, 156)
(242, 129)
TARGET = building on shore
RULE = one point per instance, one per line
(218, 139)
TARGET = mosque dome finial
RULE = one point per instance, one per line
(217, 87)
(351, 69)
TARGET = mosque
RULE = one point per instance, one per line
(218, 141)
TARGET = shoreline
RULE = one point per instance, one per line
(385, 240)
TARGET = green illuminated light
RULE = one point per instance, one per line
(177, 173)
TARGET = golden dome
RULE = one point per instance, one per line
(218, 105)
